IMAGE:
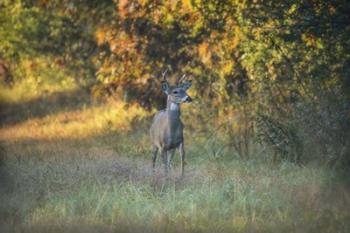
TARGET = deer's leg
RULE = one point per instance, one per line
(170, 155)
(182, 155)
(154, 156)
(163, 153)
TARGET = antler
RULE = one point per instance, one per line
(163, 75)
(181, 79)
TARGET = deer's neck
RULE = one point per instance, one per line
(173, 110)
(174, 121)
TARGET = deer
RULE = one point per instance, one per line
(166, 131)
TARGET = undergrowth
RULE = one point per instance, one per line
(53, 188)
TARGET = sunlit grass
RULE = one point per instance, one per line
(90, 121)
(43, 76)
(48, 120)
(27, 90)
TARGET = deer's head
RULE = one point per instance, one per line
(178, 93)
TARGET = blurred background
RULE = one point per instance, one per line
(268, 133)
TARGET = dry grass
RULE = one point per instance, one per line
(78, 187)
(78, 124)
(88, 170)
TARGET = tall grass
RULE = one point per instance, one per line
(102, 190)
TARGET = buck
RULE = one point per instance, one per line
(167, 129)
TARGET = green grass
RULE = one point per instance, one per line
(94, 187)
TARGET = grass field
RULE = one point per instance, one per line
(67, 168)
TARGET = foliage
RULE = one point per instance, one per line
(285, 61)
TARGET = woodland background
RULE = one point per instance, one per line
(269, 127)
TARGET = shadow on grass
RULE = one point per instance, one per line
(90, 228)
(11, 114)
(130, 226)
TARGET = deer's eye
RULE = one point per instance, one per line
(175, 92)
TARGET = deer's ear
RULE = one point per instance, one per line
(165, 87)
(186, 85)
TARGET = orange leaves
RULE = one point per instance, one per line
(122, 42)
(311, 40)
(123, 7)
(204, 52)
(118, 40)
(101, 36)
(187, 4)
(143, 2)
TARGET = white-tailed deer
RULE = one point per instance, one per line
(167, 129)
